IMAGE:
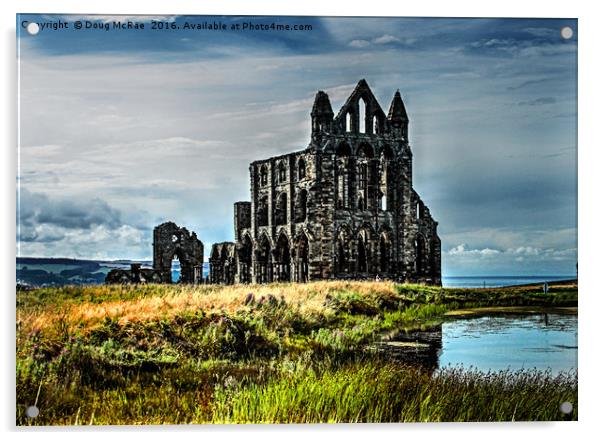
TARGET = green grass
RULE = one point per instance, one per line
(385, 392)
(282, 360)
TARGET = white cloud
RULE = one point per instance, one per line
(359, 43)
(463, 249)
(385, 39)
(174, 139)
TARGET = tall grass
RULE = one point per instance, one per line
(270, 353)
(386, 392)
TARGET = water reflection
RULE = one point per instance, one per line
(500, 342)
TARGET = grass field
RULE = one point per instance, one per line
(155, 354)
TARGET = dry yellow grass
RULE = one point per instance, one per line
(170, 300)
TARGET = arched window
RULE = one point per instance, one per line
(383, 200)
(245, 259)
(281, 172)
(283, 259)
(301, 168)
(385, 254)
(362, 115)
(264, 261)
(362, 260)
(301, 206)
(263, 175)
(302, 259)
(384, 182)
(361, 204)
(375, 127)
(420, 255)
(365, 151)
(281, 208)
(262, 211)
(348, 122)
(342, 253)
(343, 150)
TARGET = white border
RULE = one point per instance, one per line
(590, 118)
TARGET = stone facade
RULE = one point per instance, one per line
(171, 241)
(344, 207)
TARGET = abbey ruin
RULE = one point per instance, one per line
(344, 207)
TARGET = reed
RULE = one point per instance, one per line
(260, 353)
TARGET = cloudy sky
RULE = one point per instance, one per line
(121, 130)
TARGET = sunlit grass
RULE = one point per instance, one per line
(259, 353)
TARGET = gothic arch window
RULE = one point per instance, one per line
(362, 255)
(263, 175)
(281, 172)
(281, 209)
(365, 151)
(245, 259)
(383, 200)
(301, 206)
(362, 185)
(282, 264)
(361, 203)
(419, 210)
(302, 172)
(348, 122)
(420, 245)
(375, 127)
(385, 254)
(384, 190)
(262, 211)
(263, 257)
(302, 259)
(341, 253)
(343, 150)
(387, 153)
(362, 115)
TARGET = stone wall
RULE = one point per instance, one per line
(171, 241)
(344, 207)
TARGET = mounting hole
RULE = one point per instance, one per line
(33, 29)
(566, 407)
(566, 33)
(32, 411)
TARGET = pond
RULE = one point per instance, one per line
(499, 342)
(503, 341)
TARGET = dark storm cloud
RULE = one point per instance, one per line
(38, 209)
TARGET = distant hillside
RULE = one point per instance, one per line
(40, 272)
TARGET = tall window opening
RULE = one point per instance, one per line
(301, 169)
(362, 115)
(281, 172)
(263, 175)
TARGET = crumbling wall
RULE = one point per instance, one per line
(344, 207)
(171, 241)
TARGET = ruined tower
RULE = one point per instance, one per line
(344, 207)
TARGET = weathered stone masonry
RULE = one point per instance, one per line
(344, 207)
(169, 242)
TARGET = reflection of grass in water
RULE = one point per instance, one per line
(179, 354)
(502, 324)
